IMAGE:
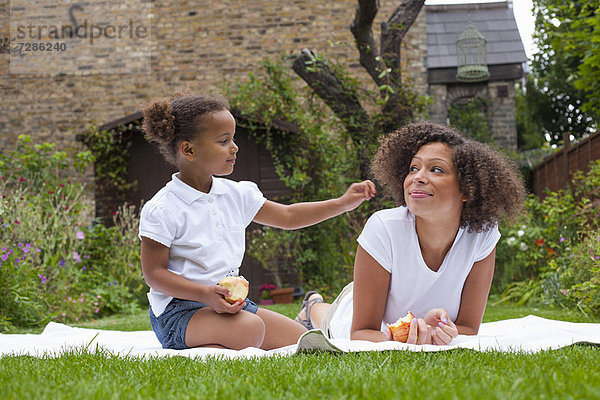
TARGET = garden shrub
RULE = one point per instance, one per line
(57, 263)
(317, 161)
(551, 257)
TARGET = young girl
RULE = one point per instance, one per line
(192, 230)
(434, 254)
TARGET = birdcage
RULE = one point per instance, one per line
(471, 52)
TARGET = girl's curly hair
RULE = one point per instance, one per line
(490, 182)
(169, 121)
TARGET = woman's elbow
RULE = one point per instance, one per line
(468, 330)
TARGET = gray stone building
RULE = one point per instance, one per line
(505, 62)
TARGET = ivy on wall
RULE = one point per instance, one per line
(317, 159)
(470, 119)
(110, 150)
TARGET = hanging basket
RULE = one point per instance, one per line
(282, 296)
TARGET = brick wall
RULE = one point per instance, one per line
(198, 45)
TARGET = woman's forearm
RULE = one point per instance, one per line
(371, 335)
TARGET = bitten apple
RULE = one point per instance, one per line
(399, 330)
(238, 287)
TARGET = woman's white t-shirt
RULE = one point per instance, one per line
(205, 232)
(390, 237)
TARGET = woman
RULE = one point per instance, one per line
(432, 255)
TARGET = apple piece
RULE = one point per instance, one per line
(399, 330)
(238, 287)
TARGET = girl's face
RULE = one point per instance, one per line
(214, 148)
(431, 187)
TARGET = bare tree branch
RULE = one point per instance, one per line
(342, 101)
(385, 70)
(361, 28)
(393, 32)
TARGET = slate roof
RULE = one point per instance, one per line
(495, 21)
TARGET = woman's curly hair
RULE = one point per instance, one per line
(169, 121)
(490, 182)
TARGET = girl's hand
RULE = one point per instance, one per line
(215, 300)
(357, 193)
(443, 327)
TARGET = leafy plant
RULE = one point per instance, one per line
(316, 157)
(550, 256)
(57, 263)
(470, 119)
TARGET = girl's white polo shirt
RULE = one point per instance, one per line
(205, 232)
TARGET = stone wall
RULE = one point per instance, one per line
(500, 114)
(197, 45)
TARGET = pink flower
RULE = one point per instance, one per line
(80, 235)
(76, 257)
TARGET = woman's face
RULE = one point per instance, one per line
(431, 187)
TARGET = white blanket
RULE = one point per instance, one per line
(529, 334)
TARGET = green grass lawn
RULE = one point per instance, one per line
(568, 373)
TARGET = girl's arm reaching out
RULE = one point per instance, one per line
(300, 215)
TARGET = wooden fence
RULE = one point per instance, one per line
(556, 170)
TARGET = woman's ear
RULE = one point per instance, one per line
(186, 149)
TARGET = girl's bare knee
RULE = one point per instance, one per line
(251, 331)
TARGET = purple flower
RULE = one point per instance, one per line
(562, 238)
(62, 263)
(76, 257)
(4, 257)
(25, 250)
(43, 278)
(80, 235)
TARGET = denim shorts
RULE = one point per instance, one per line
(170, 326)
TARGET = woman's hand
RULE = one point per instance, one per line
(444, 330)
(214, 298)
(357, 193)
(436, 328)
(420, 332)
